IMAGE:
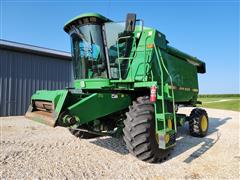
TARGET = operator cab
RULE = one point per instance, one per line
(87, 47)
(96, 45)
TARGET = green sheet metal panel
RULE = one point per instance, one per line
(184, 77)
(98, 105)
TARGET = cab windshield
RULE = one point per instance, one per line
(88, 52)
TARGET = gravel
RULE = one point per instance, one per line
(32, 150)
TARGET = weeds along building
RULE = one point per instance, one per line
(25, 69)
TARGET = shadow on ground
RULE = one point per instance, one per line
(184, 141)
(111, 143)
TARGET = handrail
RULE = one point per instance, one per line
(119, 67)
(129, 58)
(145, 43)
(173, 102)
(162, 88)
(142, 21)
(159, 54)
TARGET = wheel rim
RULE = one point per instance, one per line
(204, 123)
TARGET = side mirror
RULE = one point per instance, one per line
(130, 22)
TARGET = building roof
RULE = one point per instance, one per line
(10, 45)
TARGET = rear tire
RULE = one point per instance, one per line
(198, 122)
(139, 132)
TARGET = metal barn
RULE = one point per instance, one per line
(25, 69)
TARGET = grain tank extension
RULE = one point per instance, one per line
(127, 81)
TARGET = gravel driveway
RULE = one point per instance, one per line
(32, 150)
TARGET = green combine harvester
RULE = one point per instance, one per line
(127, 81)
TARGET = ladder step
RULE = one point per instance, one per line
(165, 98)
(164, 116)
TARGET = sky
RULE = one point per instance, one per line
(205, 29)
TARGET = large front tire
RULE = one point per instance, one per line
(139, 132)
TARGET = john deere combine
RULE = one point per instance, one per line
(128, 81)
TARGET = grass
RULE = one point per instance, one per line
(228, 102)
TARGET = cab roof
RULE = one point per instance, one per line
(78, 20)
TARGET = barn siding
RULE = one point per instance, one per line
(22, 73)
